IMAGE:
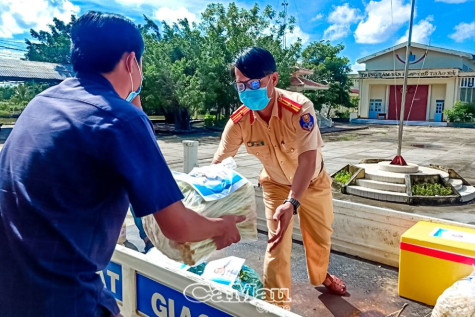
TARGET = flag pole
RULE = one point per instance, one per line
(399, 160)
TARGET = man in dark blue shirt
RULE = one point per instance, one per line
(79, 154)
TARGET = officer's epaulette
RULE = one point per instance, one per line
(290, 104)
(240, 113)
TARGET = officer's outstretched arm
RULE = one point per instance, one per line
(304, 173)
(302, 178)
(230, 142)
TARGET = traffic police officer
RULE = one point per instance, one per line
(279, 127)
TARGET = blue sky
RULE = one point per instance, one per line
(364, 27)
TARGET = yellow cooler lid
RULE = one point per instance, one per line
(428, 237)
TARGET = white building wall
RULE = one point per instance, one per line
(364, 99)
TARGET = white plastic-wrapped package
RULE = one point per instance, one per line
(212, 191)
(458, 300)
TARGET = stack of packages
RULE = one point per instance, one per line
(212, 191)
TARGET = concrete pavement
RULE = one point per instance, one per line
(449, 147)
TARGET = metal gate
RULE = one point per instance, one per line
(414, 111)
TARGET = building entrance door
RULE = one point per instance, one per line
(418, 110)
(439, 110)
(375, 107)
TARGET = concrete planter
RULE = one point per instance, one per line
(430, 200)
(356, 173)
(379, 180)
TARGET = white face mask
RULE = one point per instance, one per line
(133, 93)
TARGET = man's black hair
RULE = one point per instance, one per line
(100, 39)
(256, 63)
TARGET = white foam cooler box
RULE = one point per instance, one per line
(143, 288)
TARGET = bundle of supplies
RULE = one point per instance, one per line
(229, 271)
(212, 191)
(458, 300)
(232, 271)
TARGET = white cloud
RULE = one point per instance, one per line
(344, 15)
(421, 32)
(341, 18)
(297, 33)
(191, 5)
(463, 31)
(356, 67)
(452, 1)
(380, 23)
(19, 16)
(172, 15)
(336, 31)
(165, 10)
(317, 17)
(9, 26)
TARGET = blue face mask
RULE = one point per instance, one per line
(134, 94)
(255, 99)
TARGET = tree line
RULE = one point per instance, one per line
(188, 66)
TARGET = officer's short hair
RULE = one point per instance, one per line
(256, 63)
(100, 39)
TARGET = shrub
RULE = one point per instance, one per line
(343, 177)
(345, 114)
(461, 112)
(209, 120)
(428, 189)
(4, 114)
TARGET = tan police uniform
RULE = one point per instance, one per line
(292, 130)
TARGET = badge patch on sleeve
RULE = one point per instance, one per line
(307, 122)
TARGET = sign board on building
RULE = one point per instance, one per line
(425, 73)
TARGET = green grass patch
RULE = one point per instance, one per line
(156, 117)
(343, 177)
(8, 120)
(429, 189)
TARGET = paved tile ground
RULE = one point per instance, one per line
(449, 147)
